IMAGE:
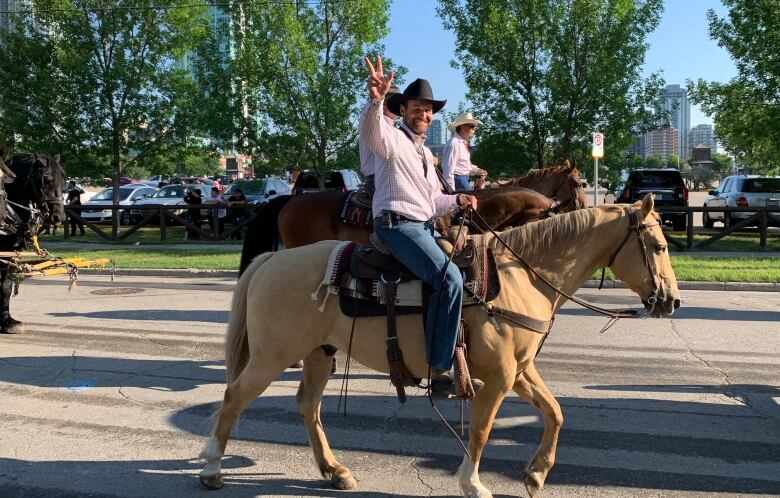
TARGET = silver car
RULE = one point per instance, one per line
(127, 195)
(168, 195)
(741, 191)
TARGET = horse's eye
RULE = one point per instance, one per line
(660, 249)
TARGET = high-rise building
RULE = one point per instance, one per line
(6, 7)
(661, 142)
(703, 134)
(435, 133)
(679, 111)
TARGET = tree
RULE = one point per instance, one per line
(84, 77)
(746, 110)
(298, 83)
(548, 73)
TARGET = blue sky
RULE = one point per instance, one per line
(680, 47)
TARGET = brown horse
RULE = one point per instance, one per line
(561, 183)
(295, 221)
(262, 338)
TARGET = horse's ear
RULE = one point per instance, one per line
(56, 158)
(648, 203)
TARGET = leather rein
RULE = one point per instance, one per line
(543, 327)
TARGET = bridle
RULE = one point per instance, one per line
(614, 315)
(38, 179)
(639, 229)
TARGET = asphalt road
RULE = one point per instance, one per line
(110, 393)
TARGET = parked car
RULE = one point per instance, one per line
(155, 181)
(259, 190)
(128, 194)
(343, 179)
(168, 195)
(668, 186)
(741, 191)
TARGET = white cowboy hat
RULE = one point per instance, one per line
(464, 118)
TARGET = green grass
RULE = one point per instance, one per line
(686, 267)
(211, 259)
(736, 242)
(145, 235)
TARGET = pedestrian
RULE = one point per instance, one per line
(456, 165)
(193, 198)
(218, 183)
(408, 196)
(237, 201)
(217, 199)
(74, 199)
(369, 159)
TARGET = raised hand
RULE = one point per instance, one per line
(378, 83)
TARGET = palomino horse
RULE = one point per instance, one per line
(566, 249)
(304, 219)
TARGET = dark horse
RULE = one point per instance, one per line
(34, 197)
(304, 219)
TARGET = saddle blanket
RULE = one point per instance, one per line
(481, 285)
(357, 209)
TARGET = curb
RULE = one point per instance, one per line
(590, 284)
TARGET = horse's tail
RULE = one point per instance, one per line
(236, 343)
(262, 234)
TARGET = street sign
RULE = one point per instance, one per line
(598, 145)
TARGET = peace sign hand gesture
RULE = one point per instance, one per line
(378, 83)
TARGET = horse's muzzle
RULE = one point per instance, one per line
(661, 302)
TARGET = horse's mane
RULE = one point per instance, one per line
(567, 170)
(538, 240)
(27, 160)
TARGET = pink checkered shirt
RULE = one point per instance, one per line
(401, 185)
(368, 159)
(457, 160)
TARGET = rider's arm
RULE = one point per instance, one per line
(374, 129)
(448, 164)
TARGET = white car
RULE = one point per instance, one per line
(127, 195)
(168, 195)
(741, 191)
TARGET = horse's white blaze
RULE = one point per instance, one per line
(469, 480)
(213, 458)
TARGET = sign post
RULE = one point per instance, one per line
(597, 153)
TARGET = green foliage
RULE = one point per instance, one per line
(292, 94)
(746, 110)
(546, 74)
(98, 82)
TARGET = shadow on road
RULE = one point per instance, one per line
(369, 422)
(209, 316)
(699, 313)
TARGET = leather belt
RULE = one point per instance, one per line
(391, 219)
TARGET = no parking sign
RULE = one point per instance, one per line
(598, 145)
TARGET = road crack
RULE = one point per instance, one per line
(730, 391)
(413, 464)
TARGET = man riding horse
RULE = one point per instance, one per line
(408, 196)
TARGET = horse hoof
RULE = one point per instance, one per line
(14, 328)
(212, 482)
(343, 483)
(532, 484)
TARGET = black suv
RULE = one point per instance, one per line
(668, 187)
(343, 179)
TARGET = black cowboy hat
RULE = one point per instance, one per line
(418, 89)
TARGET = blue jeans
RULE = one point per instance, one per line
(412, 243)
(462, 183)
